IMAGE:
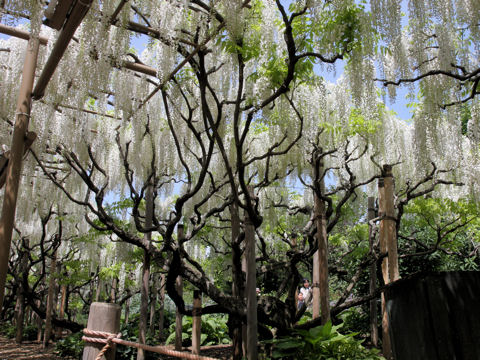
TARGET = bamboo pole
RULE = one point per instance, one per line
(21, 34)
(76, 16)
(15, 160)
(251, 285)
(373, 275)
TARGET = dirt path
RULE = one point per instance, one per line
(27, 350)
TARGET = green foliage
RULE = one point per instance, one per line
(321, 343)
(9, 330)
(70, 346)
(214, 330)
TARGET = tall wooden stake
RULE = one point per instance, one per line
(321, 294)
(142, 326)
(178, 315)
(237, 286)
(50, 301)
(373, 275)
(197, 322)
(102, 317)
(250, 290)
(388, 244)
(15, 161)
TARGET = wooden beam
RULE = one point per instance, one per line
(56, 13)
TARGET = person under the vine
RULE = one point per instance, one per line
(306, 291)
(300, 301)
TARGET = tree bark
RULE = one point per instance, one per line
(196, 322)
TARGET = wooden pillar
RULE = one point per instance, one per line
(197, 322)
(388, 245)
(373, 274)
(161, 300)
(178, 315)
(321, 294)
(50, 301)
(15, 161)
(250, 289)
(102, 317)
(20, 308)
(142, 326)
(61, 313)
(237, 277)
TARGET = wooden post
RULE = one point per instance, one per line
(161, 311)
(251, 285)
(142, 326)
(178, 315)
(197, 322)
(321, 306)
(384, 233)
(20, 308)
(390, 224)
(61, 313)
(50, 301)
(15, 159)
(102, 317)
(237, 276)
(373, 274)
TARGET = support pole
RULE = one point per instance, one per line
(197, 322)
(15, 160)
(179, 285)
(142, 326)
(250, 291)
(238, 280)
(373, 275)
(50, 301)
(388, 245)
(321, 306)
(102, 317)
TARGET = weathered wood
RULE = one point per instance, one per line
(250, 288)
(373, 274)
(161, 301)
(196, 322)
(102, 317)
(237, 286)
(21, 34)
(15, 161)
(50, 301)
(390, 225)
(435, 316)
(142, 326)
(179, 286)
(386, 345)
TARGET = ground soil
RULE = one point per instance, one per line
(27, 350)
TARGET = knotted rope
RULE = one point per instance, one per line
(105, 338)
(109, 338)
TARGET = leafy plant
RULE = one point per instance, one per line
(322, 343)
(70, 346)
(214, 331)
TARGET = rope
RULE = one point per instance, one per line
(109, 338)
